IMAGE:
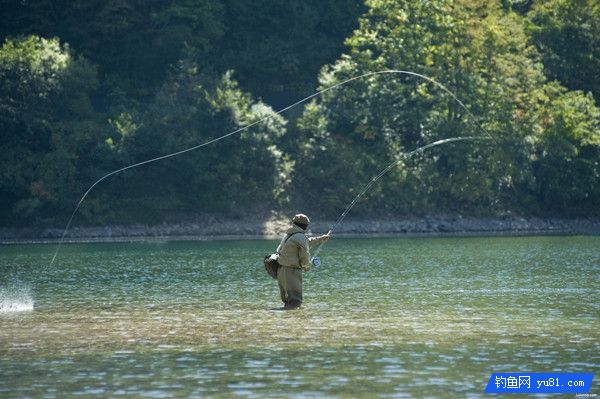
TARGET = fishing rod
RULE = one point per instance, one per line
(316, 261)
(246, 127)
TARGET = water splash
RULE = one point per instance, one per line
(16, 299)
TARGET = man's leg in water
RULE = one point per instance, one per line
(290, 286)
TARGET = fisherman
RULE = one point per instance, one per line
(294, 258)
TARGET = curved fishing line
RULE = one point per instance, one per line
(246, 127)
(385, 170)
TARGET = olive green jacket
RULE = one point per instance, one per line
(295, 252)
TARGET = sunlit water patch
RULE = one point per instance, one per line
(390, 317)
(15, 299)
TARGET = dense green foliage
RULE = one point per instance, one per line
(545, 154)
(49, 129)
(87, 87)
(567, 34)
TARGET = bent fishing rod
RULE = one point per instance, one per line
(316, 261)
(246, 127)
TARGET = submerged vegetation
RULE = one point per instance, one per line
(88, 87)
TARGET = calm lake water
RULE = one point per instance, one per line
(382, 317)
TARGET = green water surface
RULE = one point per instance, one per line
(382, 317)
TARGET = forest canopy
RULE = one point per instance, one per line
(88, 87)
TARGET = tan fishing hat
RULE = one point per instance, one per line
(301, 218)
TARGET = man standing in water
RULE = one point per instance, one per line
(294, 258)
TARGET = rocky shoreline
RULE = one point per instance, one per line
(271, 226)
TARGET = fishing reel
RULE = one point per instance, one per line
(316, 261)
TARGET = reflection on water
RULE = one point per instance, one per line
(395, 317)
(15, 299)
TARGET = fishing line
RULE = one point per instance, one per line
(246, 127)
(315, 260)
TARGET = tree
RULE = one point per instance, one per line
(567, 165)
(277, 47)
(191, 108)
(47, 122)
(566, 33)
(384, 116)
(480, 51)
